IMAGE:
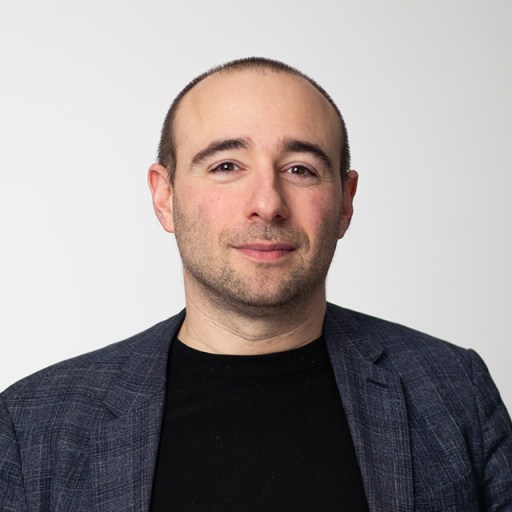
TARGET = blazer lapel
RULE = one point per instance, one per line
(123, 454)
(124, 444)
(375, 406)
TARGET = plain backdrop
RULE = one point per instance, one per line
(426, 90)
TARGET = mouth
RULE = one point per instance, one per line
(266, 251)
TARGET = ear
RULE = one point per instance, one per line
(161, 192)
(347, 199)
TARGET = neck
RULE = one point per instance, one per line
(220, 328)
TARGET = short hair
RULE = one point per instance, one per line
(167, 146)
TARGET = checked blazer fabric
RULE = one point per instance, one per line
(429, 428)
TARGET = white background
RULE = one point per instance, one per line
(426, 91)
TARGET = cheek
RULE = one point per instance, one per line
(320, 215)
(215, 212)
(215, 206)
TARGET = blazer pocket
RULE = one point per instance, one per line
(458, 496)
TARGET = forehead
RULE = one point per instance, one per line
(261, 104)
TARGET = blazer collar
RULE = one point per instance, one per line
(144, 373)
(375, 406)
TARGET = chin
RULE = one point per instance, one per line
(271, 300)
(252, 293)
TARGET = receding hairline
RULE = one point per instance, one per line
(167, 147)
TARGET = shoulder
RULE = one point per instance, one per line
(434, 373)
(392, 343)
(85, 379)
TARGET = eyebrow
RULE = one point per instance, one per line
(301, 146)
(290, 146)
(218, 146)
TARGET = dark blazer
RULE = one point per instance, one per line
(429, 428)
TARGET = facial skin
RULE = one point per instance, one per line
(257, 204)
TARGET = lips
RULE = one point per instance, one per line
(266, 251)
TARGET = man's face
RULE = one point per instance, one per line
(257, 204)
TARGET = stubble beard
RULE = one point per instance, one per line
(268, 286)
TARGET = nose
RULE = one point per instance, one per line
(266, 200)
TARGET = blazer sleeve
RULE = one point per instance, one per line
(12, 491)
(496, 442)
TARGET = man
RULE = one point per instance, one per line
(261, 396)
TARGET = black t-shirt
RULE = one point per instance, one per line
(255, 433)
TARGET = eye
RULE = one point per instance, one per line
(301, 171)
(225, 167)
